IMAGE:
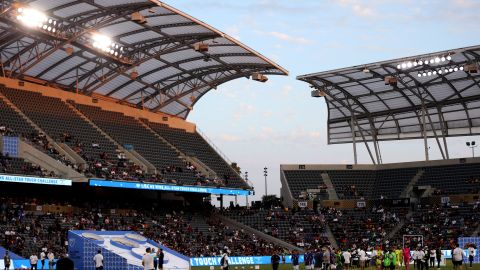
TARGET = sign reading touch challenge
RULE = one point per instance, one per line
(34, 180)
(163, 187)
(240, 260)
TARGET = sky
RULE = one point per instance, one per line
(262, 125)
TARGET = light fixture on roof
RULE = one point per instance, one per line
(259, 77)
(134, 74)
(366, 70)
(69, 50)
(318, 93)
(200, 47)
(106, 45)
(420, 62)
(391, 80)
(470, 68)
(36, 19)
(443, 70)
(138, 18)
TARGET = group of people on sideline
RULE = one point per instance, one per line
(391, 258)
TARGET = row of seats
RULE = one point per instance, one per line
(388, 183)
(62, 123)
(193, 144)
(302, 228)
(129, 131)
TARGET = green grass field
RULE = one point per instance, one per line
(302, 267)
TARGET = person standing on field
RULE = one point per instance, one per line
(295, 260)
(275, 260)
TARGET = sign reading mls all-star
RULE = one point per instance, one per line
(34, 180)
(163, 187)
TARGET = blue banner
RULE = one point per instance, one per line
(163, 187)
(34, 180)
(10, 146)
(241, 260)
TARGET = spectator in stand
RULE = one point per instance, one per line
(98, 260)
(33, 262)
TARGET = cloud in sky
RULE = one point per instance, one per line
(358, 8)
(229, 138)
(275, 136)
(244, 110)
(233, 31)
(286, 90)
(290, 38)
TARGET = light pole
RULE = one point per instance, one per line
(472, 145)
(265, 173)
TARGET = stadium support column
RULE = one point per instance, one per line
(424, 129)
(444, 131)
(221, 201)
(354, 142)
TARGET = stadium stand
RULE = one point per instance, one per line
(193, 144)
(194, 232)
(366, 227)
(13, 165)
(452, 179)
(302, 228)
(128, 131)
(301, 180)
(16, 125)
(440, 225)
(62, 124)
(386, 181)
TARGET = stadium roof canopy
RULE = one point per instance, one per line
(155, 64)
(359, 97)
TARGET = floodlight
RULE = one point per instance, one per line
(31, 17)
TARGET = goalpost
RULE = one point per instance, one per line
(418, 238)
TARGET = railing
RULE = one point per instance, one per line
(221, 154)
